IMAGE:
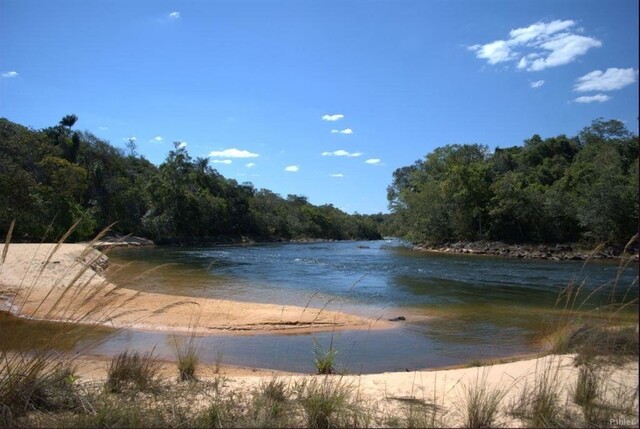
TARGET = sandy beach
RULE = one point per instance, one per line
(63, 283)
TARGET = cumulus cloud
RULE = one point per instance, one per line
(332, 118)
(174, 15)
(539, 46)
(10, 74)
(537, 84)
(250, 165)
(181, 145)
(345, 131)
(609, 80)
(339, 175)
(232, 153)
(600, 98)
(373, 161)
(222, 161)
(292, 168)
(156, 139)
(342, 152)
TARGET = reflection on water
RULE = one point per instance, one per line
(458, 308)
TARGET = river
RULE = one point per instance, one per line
(458, 308)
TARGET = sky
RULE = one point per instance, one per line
(318, 98)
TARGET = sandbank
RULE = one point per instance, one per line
(62, 282)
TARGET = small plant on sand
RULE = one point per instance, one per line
(324, 359)
(134, 370)
(270, 405)
(187, 353)
(480, 403)
(331, 403)
(541, 405)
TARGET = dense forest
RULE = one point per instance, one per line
(54, 178)
(559, 189)
(555, 190)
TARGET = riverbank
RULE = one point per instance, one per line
(502, 395)
(62, 282)
(558, 252)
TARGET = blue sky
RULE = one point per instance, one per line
(319, 98)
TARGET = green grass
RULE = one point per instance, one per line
(330, 403)
(188, 357)
(481, 403)
(132, 371)
(325, 360)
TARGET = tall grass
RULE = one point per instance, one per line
(132, 370)
(42, 379)
(481, 402)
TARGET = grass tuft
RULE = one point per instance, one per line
(132, 371)
(324, 359)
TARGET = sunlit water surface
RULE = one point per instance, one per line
(457, 308)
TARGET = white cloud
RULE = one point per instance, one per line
(600, 98)
(181, 145)
(174, 15)
(10, 74)
(126, 139)
(332, 118)
(222, 161)
(494, 52)
(538, 30)
(102, 128)
(537, 84)
(609, 80)
(564, 49)
(373, 161)
(345, 131)
(342, 152)
(292, 168)
(550, 44)
(250, 165)
(339, 175)
(156, 139)
(232, 153)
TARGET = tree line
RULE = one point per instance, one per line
(553, 190)
(54, 178)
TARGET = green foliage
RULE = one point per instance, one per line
(558, 189)
(53, 178)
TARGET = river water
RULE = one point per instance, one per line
(458, 308)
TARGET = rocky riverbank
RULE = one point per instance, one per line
(558, 252)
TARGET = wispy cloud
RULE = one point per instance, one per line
(537, 84)
(250, 165)
(373, 161)
(126, 139)
(341, 152)
(10, 74)
(332, 118)
(539, 46)
(181, 145)
(101, 128)
(156, 139)
(174, 15)
(600, 98)
(609, 80)
(222, 161)
(338, 175)
(292, 168)
(345, 131)
(232, 153)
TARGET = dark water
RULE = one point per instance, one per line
(458, 308)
